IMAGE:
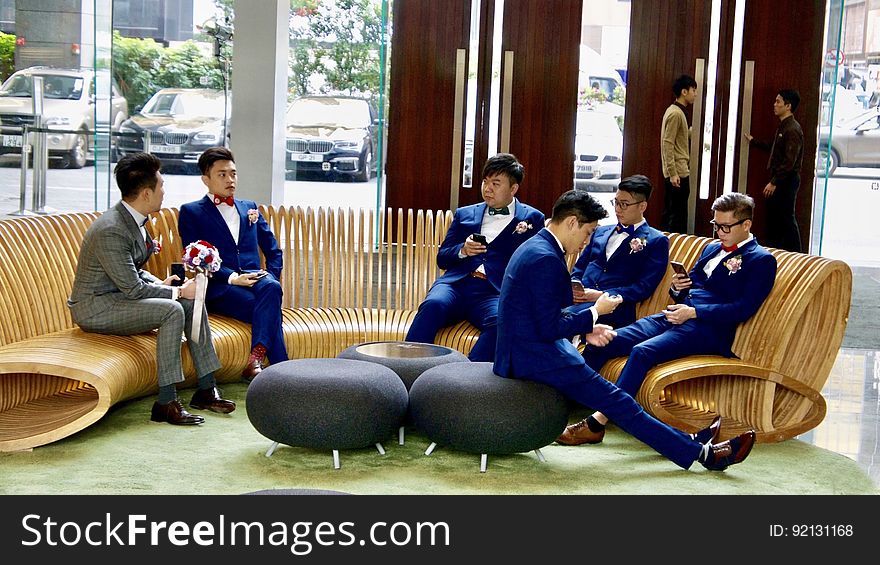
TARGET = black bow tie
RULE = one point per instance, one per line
(503, 211)
(631, 230)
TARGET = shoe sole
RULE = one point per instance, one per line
(178, 423)
(216, 410)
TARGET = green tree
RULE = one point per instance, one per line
(7, 55)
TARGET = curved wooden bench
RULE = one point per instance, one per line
(56, 379)
(785, 352)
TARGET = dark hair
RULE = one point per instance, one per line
(637, 184)
(136, 171)
(505, 164)
(742, 205)
(684, 82)
(211, 156)
(579, 204)
(790, 96)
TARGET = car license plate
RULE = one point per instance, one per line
(166, 149)
(583, 168)
(12, 140)
(306, 157)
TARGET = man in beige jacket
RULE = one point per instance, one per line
(675, 156)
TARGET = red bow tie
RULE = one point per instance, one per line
(229, 200)
(728, 249)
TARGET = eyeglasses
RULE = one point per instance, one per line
(624, 205)
(725, 228)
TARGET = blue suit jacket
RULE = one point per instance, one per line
(632, 275)
(202, 220)
(469, 220)
(533, 326)
(731, 294)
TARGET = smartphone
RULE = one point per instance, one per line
(260, 274)
(678, 268)
(177, 269)
(480, 238)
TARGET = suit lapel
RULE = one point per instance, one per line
(210, 211)
(141, 251)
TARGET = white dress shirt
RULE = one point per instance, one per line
(140, 219)
(713, 262)
(617, 238)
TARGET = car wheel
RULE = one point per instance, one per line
(363, 174)
(832, 160)
(76, 158)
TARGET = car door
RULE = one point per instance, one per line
(864, 145)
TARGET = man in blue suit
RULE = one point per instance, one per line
(240, 289)
(469, 288)
(627, 260)
(534, 325)
(726, 287)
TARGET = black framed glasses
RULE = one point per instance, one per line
(725, 228)
(624, 205)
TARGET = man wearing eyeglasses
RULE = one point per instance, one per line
(725, 287)
(627, 260)
(474, 254)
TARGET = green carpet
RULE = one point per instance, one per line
(126, 454)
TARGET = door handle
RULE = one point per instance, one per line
(506, 100)
(696, 148)
(746, 113)
(457, 128)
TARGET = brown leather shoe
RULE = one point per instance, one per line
(173, 413)
(723, 455)
(251, 370)
(579, 433)
(209, 399)
(710, 434)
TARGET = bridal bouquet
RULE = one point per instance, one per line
(202, 258)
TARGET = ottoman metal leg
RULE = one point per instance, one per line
(271, 449)
(540, 456)
(483, 460)
(430, 448)
(335, 458)
(400, 435)
(380, 448)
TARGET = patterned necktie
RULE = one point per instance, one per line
(503, 211)
(220, 200)
(631, 230)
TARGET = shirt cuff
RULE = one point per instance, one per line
(232, 277)
(595, 314)
(175, 292)
(460, 254)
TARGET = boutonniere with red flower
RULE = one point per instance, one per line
(636, 244)
(253, 215)
(734, 264)
(522, 227)
(157, 246)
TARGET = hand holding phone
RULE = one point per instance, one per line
(678, 268)
(177, 269)
(480, 238)
(259, 274)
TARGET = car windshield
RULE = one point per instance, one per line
(348, 113)
(54, 86)
(186, 104)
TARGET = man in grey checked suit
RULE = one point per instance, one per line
(113, 295)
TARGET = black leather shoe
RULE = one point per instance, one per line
(251, 370)
(710, 434)
(723, 455)
(173, 413)
(209, 399)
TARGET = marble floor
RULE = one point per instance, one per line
(852, 424)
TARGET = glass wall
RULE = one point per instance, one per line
(598, 143)
(847, 191)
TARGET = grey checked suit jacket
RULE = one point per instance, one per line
(109, 268)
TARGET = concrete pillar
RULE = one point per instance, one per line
(259, 98)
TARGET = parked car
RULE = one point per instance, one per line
(182, 123)
(598, 148)
(854, 143)
(332, 135)
(68, 105)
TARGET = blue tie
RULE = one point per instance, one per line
(503, 211)
(631, 230)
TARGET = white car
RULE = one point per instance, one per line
(68, 106)
(598, 148)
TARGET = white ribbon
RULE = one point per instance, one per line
(199, 305)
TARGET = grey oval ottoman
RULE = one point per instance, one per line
(326, 404)
(468, 407)
(406, 358)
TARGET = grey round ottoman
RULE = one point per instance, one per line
(326, 404)
(408, 359)
(468, 407)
